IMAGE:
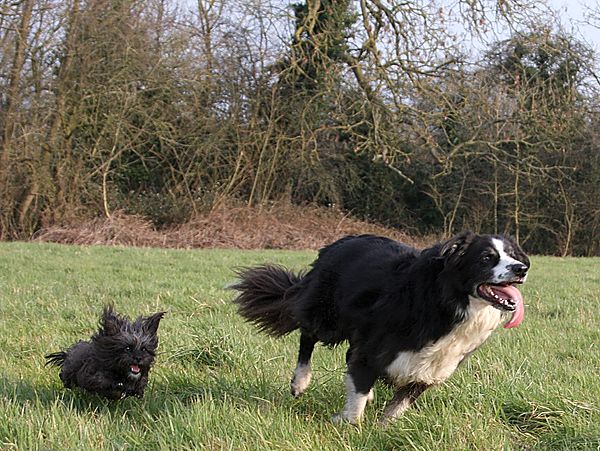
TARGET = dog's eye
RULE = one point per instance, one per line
(127, 348)
(486, 258)
(143, 348)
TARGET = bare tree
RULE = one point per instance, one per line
(168, 109)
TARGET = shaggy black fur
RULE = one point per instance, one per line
(115, 363)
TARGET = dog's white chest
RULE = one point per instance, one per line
(437, 361)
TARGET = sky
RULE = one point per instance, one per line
(573, 14)
(578, 18)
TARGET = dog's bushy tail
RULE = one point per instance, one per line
(266, 298)
(56, 358)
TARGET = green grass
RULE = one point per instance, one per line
(219, 384)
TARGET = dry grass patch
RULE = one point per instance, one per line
(272, 227)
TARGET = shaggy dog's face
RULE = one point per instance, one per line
(127, 348)
(489, 267)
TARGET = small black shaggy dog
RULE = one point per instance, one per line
(115, 363)
(410, 316)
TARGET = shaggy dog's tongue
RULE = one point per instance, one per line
(511, 292)
(135, 369)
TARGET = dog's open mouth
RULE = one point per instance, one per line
(504, 297)
(134, 370)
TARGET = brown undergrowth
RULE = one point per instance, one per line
(273, 227)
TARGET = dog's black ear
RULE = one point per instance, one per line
(150, 323)
(110, 323)
(519, 254)
(456, 246)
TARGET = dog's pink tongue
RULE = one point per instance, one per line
(513, 293)
(135, 369)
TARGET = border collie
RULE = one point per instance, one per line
(410, 316)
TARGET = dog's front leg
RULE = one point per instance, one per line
(359, 385)
(402, 400)
(101, 382)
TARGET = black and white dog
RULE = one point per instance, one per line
(409, 316)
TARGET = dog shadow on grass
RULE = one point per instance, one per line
(28, 393)
(208, 372)
(165, 391)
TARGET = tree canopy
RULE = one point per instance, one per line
(427, 116)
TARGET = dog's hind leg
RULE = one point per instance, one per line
(303, 373)
(402, 400)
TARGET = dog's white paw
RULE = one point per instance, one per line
(342, 417)
(370, 396)
(301, 380)
(297, 389)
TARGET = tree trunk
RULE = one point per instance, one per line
(51, 143)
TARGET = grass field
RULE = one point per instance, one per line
(219, 384)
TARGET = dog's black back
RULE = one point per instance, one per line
(344, 297)
(340, 292)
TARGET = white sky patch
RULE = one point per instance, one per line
(581, 18)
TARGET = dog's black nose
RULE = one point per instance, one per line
(518, 269)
